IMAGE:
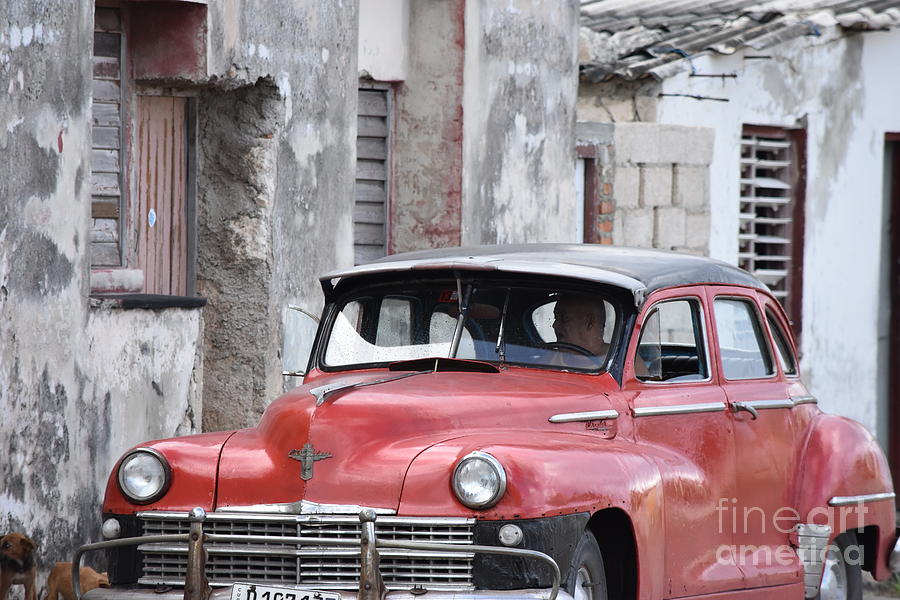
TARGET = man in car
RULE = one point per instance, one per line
(579, 322)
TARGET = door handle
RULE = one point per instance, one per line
(737, 407)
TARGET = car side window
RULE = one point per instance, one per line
(782, 346)
(671, 347)
(742, 346)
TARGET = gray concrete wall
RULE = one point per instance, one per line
(661, 186)
(520, 84)
(277, 137)
(78, 384)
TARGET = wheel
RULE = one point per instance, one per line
(587, 579)
(842, 572)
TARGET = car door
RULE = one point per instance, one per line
(680, 420)
(761, 515)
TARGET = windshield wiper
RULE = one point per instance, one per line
(463, 315)
(500, 349)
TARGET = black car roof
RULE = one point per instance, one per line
(639, 270)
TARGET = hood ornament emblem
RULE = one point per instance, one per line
(307, 456)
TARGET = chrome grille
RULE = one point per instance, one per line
(316, 566)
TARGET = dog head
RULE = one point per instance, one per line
(16, 552)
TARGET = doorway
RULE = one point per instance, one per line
(891, 296)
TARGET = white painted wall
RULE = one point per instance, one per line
(384, 39)
(845, 88)
(519, 96)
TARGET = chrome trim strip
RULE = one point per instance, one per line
(303, 507)
(798, 400)
(596, 415)
(768, 404)
(316, 519)
(679, 409)
(849, 500)
(276, 550)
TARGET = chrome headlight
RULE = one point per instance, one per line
(479, 480)
(144, 475)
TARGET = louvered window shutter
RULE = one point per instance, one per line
(106, 155)
(767, 210)
(372, 185)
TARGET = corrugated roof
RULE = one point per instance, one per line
(657, 38)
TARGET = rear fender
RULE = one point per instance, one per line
(841, 459)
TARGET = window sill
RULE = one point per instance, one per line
(145, 301)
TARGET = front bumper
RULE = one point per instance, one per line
(145, 593)
(371, 584)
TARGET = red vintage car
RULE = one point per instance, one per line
(531, 422)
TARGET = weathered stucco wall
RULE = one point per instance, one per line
(519, 106)
(82, 380)
(844, 88)
(426, 204)
(276, 177)
(78, 384)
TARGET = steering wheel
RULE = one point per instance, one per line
(568, 347)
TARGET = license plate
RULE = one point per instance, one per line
(251, 591)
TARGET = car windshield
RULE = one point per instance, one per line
(552, 327)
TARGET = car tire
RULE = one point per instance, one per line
(842, 572)
(586, 579)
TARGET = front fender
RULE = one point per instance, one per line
(194, 460)
(842, 459)
(549, 474)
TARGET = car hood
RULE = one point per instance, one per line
(362, 441)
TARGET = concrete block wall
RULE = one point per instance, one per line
(660, 187)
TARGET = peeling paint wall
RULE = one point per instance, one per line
(844, 88)
(426, 204)
(519, 106)
(78, 383)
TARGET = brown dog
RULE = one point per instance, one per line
(17, 564)
(59, 581)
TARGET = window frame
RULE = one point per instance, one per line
(704, 332)
(763, 335)
(129, 270)
(770, 310)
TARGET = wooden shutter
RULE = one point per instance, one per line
(372, 160)
(768, 204)
(106, 151)
(161, 186)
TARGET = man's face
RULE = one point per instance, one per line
(574, 323)
(567, 319)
